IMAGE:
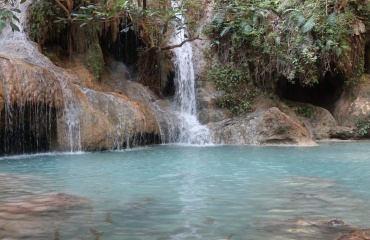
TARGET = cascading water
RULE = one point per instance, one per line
(34, 92)
(190, 130)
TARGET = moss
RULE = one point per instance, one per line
(95, 60)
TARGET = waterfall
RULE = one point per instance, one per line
(190, 130)
(34, 91)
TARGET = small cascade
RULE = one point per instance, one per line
(190, 130)
(34, 88)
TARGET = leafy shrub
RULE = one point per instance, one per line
(295, 39)
(363, 125)
(237, 87)
(43, 13)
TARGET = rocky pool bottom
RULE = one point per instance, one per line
(183, 192)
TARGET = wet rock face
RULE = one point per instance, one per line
(38, 114)
(111, 120)
(75, 119)
(23, 82)
(29, 97)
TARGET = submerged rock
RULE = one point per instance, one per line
(359, 234)
(302, 228)
(42, 204)
(38, 216)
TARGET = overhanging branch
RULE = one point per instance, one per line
(177, 45)
(64, 9)
(180, 44)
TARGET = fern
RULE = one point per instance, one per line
(225, 31)
(299, 18)
(218, 20)
(309, 25)
(332, 19)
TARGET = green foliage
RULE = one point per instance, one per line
(95, 60)
(295, 39)
(303, 111)
(43, 14)
(236, 84)
(363, 125)
(8, 15)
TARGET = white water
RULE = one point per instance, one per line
(190, 130)
(17, 45)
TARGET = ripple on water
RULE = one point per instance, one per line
(181, 192)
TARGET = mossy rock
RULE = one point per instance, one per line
(95, 60)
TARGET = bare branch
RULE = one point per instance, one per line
(64, 9)
(180, 44)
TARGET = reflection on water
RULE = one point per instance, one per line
(177, 192)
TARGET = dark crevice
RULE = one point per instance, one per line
(367, 58)
(28, 129)
(142, 139)
(125, 47)
(169, 89)
(323, 94)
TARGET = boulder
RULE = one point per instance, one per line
(277, 127)
(270, 126)
(340, 132)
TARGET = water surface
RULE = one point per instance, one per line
(182, 192)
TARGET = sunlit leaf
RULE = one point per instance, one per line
(16, 10)
(125, 30)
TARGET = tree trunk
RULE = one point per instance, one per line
(144, 4)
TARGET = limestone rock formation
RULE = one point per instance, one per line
(353, 103)
(278, 127)
(343, 133)
(270, 126)
(94, 120)
(44, 107)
